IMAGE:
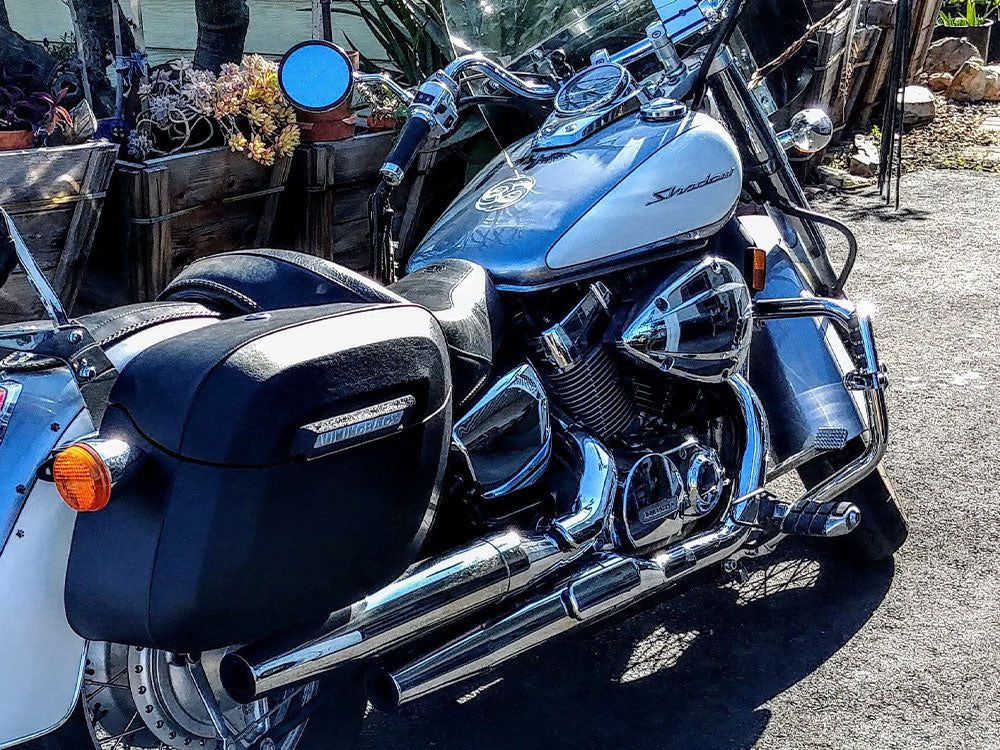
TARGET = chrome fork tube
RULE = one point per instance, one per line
(611, 582)
(441, 590)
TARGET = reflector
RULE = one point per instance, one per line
(82, 478)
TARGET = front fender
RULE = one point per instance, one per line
(797, 366)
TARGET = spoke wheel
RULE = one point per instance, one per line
(145, 699)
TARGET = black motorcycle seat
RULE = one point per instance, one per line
(458, 293)
(465, 302)
(109, 327)
(249, 281)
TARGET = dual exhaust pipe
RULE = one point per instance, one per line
(446, 589)
(587, 583)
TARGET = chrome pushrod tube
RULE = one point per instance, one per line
(608, 584)
(855, 326)
(440, 590)
(495, 72)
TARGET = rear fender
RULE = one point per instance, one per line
(41, 658)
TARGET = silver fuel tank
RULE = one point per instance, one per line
(536, 218)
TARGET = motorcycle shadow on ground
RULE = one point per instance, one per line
(690, 673)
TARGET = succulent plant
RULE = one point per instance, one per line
(38, 111)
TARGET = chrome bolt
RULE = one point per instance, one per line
(75, 337)
(87, 372)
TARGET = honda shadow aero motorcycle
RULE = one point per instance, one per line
(287, 488)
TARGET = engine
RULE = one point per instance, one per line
(641, 375)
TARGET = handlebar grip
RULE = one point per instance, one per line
(411, 138)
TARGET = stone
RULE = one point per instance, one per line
(949, 54)
(975, 82)
(864, 157)
(919, 106)
(840, 178)
(939, 81)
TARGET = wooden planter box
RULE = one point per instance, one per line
(324, 211)
(55, 196)
(176, 209)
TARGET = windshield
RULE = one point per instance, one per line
(521, 33)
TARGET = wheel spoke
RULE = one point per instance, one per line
(110, 683)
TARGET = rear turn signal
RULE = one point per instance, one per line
(82, 478)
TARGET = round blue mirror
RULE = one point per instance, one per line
(315, 76)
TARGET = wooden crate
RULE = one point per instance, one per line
(176, 209)
(55, 196)
(324, 212)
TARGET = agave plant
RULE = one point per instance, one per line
(412, 32)
(974, 14)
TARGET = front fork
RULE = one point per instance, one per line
(766, 164)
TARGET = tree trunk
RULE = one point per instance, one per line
(97, 30)
(19, 57)
(222, 32)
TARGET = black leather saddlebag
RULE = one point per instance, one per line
(290, 465)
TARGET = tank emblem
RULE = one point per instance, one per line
(670, 192)
(505, 194)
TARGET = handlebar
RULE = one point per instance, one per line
(434, 108)
(411, 138)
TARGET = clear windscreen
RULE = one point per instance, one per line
(521, 33)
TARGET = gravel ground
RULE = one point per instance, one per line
(810, 652)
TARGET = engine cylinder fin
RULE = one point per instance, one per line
(592, 393)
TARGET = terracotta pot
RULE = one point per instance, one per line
(382, 122)
(14, 140)
(335, 125)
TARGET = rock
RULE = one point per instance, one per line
(939, 81)
(975, 82)
(864, 157)
(949, 54)
(918, 105)
(839, 178)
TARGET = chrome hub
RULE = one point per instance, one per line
(136, 697)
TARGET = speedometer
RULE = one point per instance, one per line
(594, 88)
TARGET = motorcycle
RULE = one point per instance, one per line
(233, 515)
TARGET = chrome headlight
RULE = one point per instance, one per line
(698, 324)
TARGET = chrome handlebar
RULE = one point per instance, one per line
(499, 74)
(433, 108)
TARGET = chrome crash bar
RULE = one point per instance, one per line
(870, 377)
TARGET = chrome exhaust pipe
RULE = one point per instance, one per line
(611, 582)
(440, 590)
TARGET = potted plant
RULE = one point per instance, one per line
(210, 156)
(385, 109)
(54, 192)
(970, 20)
(25, 117)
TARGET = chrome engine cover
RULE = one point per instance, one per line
(697, 326)
(665, 492)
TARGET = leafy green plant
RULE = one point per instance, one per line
(968, 16)
(412, 32)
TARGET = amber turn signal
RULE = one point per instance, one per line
(82, 478)
(759, 280)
